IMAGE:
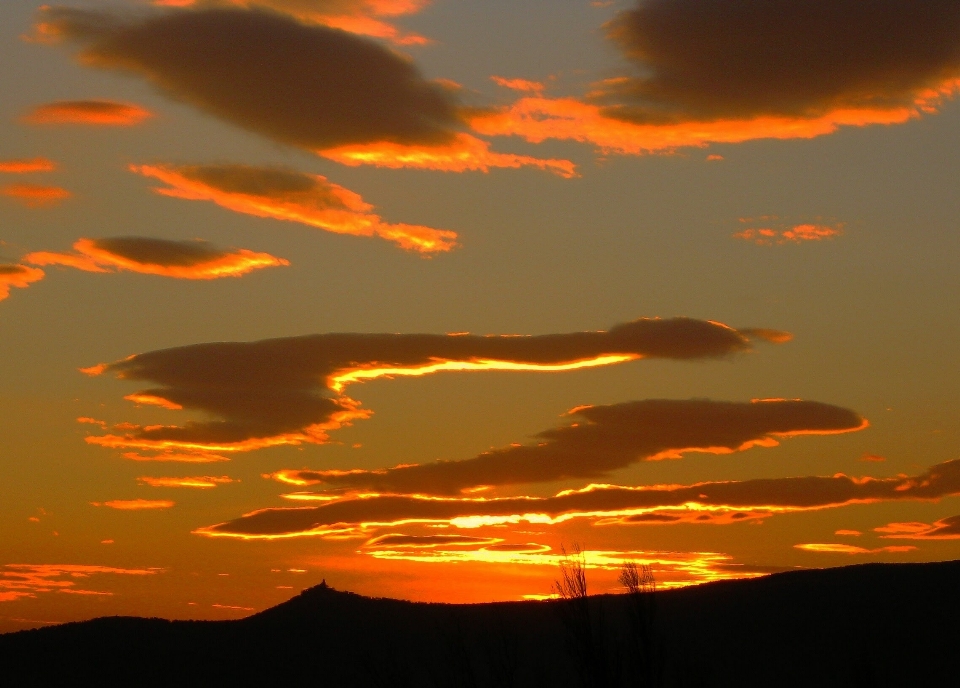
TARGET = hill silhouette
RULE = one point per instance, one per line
(867, 625)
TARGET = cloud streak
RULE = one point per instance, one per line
(284, 194)
(28, 580)
(361, 514)
(835, 548)
(770, 232)
(27, 166)
(289, 391)
(136, 504)
(197, 260)
(727, 71)
(198, 482)
(602, 439)
(36, 195)
(944, 529)
(14, 275)
(103, 113)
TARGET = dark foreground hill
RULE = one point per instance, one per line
(870, 625)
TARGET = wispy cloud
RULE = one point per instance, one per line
(599, 440)
(944, 529)
(836, 548)
(35, 195)
(104, 113)
(767, 231)
(199, 482)
(14, 275)
(28, 580)
(136, 504)
(289, 391)
(180, 259)
(27, 165)
(284, 194)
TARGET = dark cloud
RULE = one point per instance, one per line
(709, 502)
(181, 259)
(287, 391)
(710, 59)
(602, 439)
(309, 86)
(364, 17)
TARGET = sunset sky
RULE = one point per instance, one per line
(408, 294)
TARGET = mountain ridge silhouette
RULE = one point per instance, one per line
(863, 625)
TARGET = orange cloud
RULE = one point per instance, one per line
(24, 166)
(768, 236)
(35, 195)
(21, 276)
(850, 549)
(851, 533)
(602, 439)
(180, 259)
(519, 84)
(944, 529)
(284, 194)
(539, 119)
(136, 504)
(28, 580)
(464, 153)
(289, 391)
(361, 17)
(195, 457)
(105, 113)
(363, 513)
(200, 482)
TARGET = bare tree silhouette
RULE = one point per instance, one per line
(641, 588)
(585, 636)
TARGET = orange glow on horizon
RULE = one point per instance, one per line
(24, 166)
(465, 154)
(36, 195)
(91, 112)
(92, 258)
(348, 213)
